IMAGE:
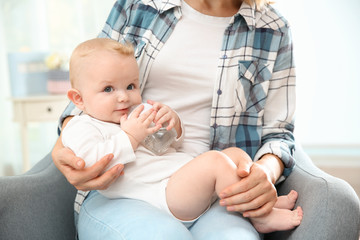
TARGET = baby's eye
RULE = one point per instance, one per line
(108, 89)
(130, 87)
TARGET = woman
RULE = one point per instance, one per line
(227, 68)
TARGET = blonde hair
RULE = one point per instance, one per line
(91, 46)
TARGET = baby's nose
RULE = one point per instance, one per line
(123, 96)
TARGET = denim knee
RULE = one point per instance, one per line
(129, 219)
(173, 230)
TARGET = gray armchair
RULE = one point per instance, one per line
(39, 204)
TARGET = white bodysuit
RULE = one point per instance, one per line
(145, 174)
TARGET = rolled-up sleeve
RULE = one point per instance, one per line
(277, 136)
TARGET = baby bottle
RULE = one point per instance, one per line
(160, 141)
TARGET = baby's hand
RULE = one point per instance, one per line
(137, 126)
(166, 115)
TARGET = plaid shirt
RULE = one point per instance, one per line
(254, 94)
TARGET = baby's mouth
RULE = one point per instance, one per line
(125, 110)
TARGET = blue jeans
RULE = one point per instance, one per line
(102, 218)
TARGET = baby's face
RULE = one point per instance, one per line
(109, 85)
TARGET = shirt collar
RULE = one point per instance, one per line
(162, 5)
(248, 12)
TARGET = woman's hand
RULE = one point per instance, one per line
(255, 194)
(73, 168)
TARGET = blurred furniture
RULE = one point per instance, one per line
(36, 109)
(39, 204)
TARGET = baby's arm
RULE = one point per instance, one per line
(88, 142)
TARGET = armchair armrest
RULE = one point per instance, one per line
(37, 204)
(330, 205)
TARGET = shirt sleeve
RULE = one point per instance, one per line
(277, 135)
(70, 110)
(88, 143)
(116, 21)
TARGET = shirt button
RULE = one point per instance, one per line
(224, 56)
(215, 125)
(219, 92)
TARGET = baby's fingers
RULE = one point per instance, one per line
(156, 105)
(171, 124)
(154, 129)
(147, 114)
(148, 117)
(137, 111)
(123, 118)
(163, 116)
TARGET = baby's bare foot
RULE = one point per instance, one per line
(287, 201)
(278, 220)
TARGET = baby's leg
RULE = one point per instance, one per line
(278, 220)
(191, 189)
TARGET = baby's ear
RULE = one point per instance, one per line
(75, 96)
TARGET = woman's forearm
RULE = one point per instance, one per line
(273, 165)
